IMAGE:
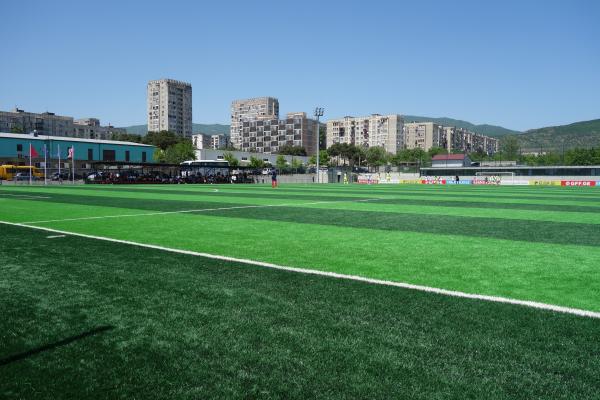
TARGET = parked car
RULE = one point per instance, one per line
(24, 176)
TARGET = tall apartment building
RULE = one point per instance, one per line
(219, 141)
(170, 107)
(424, 135)
(247, 110)
(50, 124)
(375, 130)
(268, 135)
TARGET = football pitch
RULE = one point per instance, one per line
(305, 291)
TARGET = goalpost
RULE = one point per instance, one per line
(496, 177)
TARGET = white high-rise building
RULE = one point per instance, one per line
(385, 131)
(248, 110)
(170, 107)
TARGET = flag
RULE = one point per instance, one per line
(71, 151)
(58, 151)
(32, 152)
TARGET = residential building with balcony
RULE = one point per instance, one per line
(385, 131)
(248, 110)
(269, 135)
(170, 106)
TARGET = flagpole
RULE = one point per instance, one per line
(30, 169)
(73, 161)
(45, 164)
(59, 176)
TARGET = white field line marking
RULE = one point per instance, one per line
(192, 211)
(428, 289)
(55, 236)
(27, 196)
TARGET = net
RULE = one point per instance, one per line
(496, 176)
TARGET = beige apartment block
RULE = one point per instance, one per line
(463, 140)
(50, 124)
(374, 130)
(424, 135)
(248, 110)
(46, 123)
(170, 106)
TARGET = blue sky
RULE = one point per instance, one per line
(519, 64)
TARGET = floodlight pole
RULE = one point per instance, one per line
(318, 113)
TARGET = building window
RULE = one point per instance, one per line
(108, 155)
(20, 147)
(143, 156)
(126, 155)
(90, 154)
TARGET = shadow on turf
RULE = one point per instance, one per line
(52, 346)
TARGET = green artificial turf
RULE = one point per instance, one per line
(84, 318)
(528, 243)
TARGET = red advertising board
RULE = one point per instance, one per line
(433, 181)
(577, 183)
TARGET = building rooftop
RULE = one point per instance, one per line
(446, 157)
(66, 139)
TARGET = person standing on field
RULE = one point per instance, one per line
(274, 179)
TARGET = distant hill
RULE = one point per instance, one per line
(484, 129)
(585, 134)
(208, 129)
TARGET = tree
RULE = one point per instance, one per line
(280, 162)
(434, 151)
(290, 150)
(230, 158)
(376, 156)
(297, 164)
(322, 137)
(509, 146)
(256, 163)
(126, 137)
(177, 153)
(323, 158)
(16, 129)
(162, 139)
(335, 150)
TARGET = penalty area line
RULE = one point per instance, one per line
(403, 285)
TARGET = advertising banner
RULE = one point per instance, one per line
(433, 181)
(460, 182)
(577, 183)
(486, 181)
(544, 183)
